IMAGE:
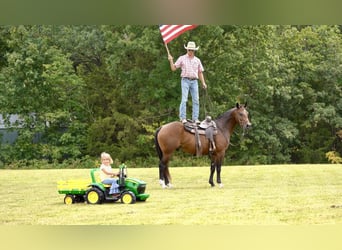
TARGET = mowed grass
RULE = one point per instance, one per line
(252, 195)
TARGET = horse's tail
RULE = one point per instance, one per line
(164, 174)
(159, 151)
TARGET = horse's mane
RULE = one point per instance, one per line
(225, 115)
(223, 118)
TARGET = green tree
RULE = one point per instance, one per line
(314, 55)
(83, 89)
(39, 85)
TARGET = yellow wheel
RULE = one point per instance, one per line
(69, 199)
(128, 198)
(94, 196)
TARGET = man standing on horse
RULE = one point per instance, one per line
(192, 70)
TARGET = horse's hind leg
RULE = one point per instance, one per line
(167, 177)
(164, 174)
(212, 171)
(161, 174)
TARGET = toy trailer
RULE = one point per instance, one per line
(131, 189)
(74, 190)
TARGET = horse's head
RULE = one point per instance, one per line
(241, 115)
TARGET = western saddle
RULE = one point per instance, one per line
(208, 128)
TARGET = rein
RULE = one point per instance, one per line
(207, 102)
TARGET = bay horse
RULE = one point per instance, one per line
(172, 136)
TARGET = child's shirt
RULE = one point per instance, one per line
(103, 175)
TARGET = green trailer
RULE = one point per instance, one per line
(93, 191)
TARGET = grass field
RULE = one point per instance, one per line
(252, 195)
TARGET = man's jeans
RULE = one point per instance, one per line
(192, 86)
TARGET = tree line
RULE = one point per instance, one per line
(84, 89)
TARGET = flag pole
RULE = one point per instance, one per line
(167, 49)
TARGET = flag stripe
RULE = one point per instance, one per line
(170, 32)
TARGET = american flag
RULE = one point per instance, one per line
(170, 32)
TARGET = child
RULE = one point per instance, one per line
(107, 175)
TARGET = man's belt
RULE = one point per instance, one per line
(191, 79)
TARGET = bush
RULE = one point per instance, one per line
(333, 157)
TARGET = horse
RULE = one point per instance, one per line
(172, 136)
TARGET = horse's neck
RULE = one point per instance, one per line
(226, 124)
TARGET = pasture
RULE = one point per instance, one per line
(252, 195)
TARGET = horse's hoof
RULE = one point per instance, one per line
(162, 183)
(169, 185)
(221, 185)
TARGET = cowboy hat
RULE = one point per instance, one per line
(191, 46)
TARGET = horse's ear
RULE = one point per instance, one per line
(237, 105)
(246, 105)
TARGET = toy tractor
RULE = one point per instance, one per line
(131, 189)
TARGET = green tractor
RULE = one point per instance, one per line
(131, 189)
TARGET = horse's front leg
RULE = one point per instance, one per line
(218, 174)
(212, 171)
